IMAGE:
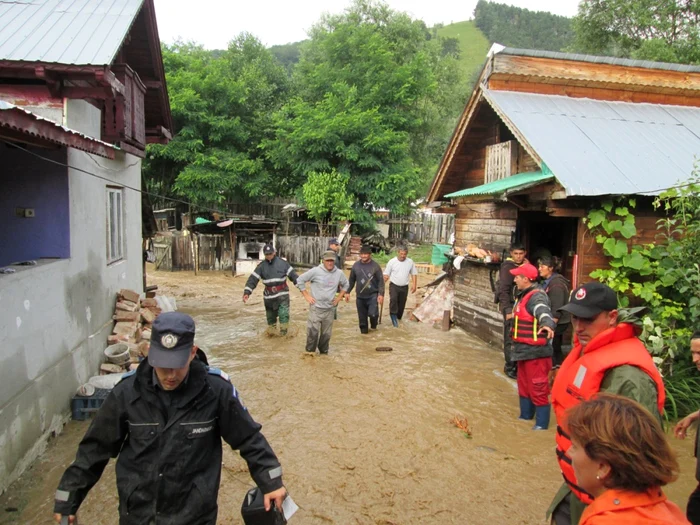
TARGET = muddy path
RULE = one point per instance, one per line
(364, 436)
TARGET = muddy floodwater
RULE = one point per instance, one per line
(364, 437)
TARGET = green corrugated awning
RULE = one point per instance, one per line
(501, 187)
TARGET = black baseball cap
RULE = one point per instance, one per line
(268, 249)
(589, 300)
(172, 338)
(366, 249)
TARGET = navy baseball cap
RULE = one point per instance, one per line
(172, 338)
(333, 241)
(268, 249)
(589, 300)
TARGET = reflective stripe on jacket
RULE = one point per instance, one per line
(524, 327)
(580, 376)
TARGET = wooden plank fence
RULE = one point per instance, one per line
(306, 251)
(423, 228)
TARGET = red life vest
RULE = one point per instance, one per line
(524, 328)
(580, 376)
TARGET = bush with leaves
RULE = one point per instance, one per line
(663, 276)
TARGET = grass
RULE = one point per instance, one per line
(420, 253)
(473, 44)
(682, 393)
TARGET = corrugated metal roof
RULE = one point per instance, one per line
(510, 184)
(646, 64)
(80, 32)
(100, 146)
(605, 148)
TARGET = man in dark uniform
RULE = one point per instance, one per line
(506, 298)
(334, 245)
(370, 289)
(273, 272)
(165, 422)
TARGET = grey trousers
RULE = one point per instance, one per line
(319, 328)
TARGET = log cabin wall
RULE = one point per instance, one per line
(590, 253)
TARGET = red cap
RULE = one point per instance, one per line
(527, 269)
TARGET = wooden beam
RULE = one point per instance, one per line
(566, 212)
(610, 93)
(153, 84)
(100, 93)
(521, 66)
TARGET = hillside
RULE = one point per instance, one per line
(518, 27)
(473, 45)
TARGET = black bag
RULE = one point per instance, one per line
(253, 510)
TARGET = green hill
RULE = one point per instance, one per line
(473, 45)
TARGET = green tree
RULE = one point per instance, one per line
(377, 99)
(326, 198)
(518, 27)
(222, 110)
(664, 30)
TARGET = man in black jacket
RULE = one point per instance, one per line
(505, 298)
(367, 274)
(165, 422)
(273, 272)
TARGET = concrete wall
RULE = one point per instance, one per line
(42, 187)
(55, 317)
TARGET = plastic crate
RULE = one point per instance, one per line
(82, 407)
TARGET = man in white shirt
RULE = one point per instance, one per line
(400, 271)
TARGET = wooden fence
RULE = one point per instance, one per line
(423, 228)
(176, 252)
(305, 251)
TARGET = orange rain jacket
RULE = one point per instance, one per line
(619, 507)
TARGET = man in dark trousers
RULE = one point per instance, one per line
(506, 298)
(367, 274)
(273, 272)
(680, 430)
(164, 423)
(400, 272)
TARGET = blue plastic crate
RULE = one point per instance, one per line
(83, 407)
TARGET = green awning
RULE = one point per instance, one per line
(502, 187)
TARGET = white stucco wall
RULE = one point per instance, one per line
(55, 318)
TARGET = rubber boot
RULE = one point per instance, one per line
(527, 409)
(283, 329)
(373, 322)
(394, 320)
(542, 417)
(364, 330)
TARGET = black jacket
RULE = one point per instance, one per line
(168, 470)
(558, 290)
(369, 279)
(505, 294)
(274, 275)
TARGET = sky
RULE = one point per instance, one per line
(213, 23)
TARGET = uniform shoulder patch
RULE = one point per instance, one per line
(216, 372)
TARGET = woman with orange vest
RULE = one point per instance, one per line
(621, 457)
(607, 357)
(531, 331)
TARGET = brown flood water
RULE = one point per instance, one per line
(364, 437)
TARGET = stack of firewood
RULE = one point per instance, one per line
(133, 317)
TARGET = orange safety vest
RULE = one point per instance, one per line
(524, 327)
(580, 376)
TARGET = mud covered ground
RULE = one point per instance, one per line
(364, 437)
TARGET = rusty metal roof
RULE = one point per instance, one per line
(28, 124)
(596, 147)
(80, 32)
(595, 59)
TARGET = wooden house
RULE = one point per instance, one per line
(544, 138)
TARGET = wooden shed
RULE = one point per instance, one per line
(544, 138)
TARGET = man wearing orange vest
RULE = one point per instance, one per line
(531, 331)
(606, 357)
